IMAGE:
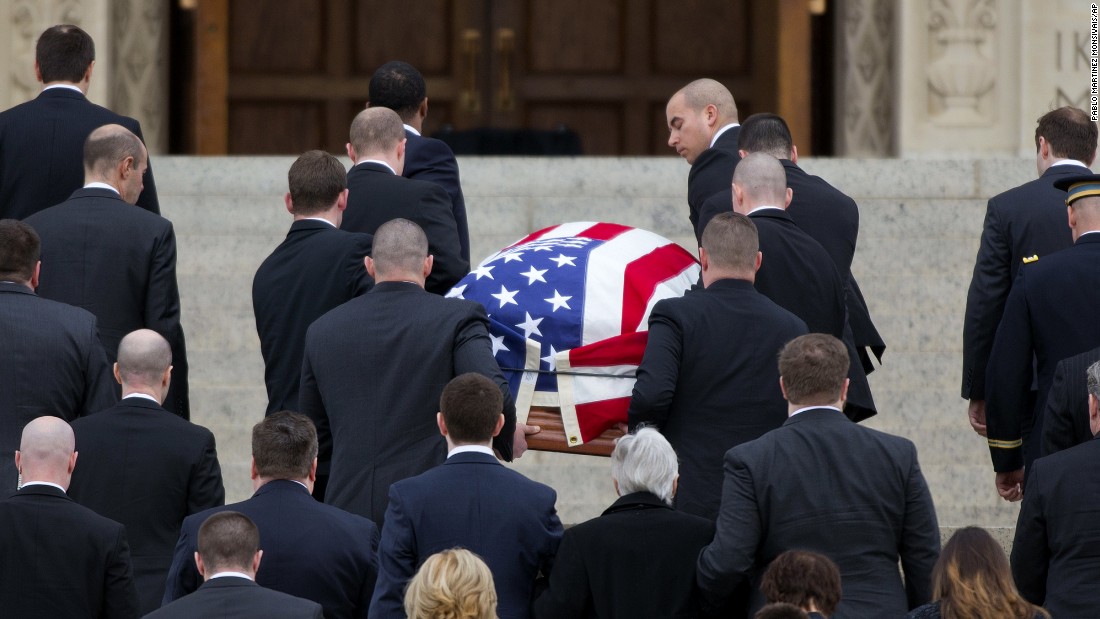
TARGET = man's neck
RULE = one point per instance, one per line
(142, 392)
(81, 86)
(99, 183)
(400, 278)
(329, 216)
(377, 160)
(413, 125)
(260, 482)
(232, 573)
(483, 448)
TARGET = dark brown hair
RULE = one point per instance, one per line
(1070, 133)
(813, 368)
(731, 241)
(766, 133)
(972, 579)
(228, 540)
(20, 250)
(284, 445)
(803, 578)
(63, 53)
(471, 405)
(398, 86)
(316, 180)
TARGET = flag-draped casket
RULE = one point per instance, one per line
(569, 308)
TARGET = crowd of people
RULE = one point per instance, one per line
(746, 486)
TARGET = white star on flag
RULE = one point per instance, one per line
(549, 359)
(506, 296)
(513, 257)
(563, 260)
(484, 271)
(530, 325)
(498, 344)
(544, 248)
(456, 292)
(534, 275)
(558, 301)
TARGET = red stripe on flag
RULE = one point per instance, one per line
(625, 349)
(642, 277)
(534, 236)
(604, 231)
(595, 417)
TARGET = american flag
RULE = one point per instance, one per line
(568, 310)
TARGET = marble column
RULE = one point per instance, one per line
(131, 70)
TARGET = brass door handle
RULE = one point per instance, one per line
(506, 46)
(469, 98)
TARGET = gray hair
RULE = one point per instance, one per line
(645, 462)
(1092, 379)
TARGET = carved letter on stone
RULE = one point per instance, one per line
(962, 68)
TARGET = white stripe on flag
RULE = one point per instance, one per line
(603, 295)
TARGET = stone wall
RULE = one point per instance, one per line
(920, 225)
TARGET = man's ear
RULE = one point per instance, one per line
(440, 423)
(794, 154)
(759, 261)
(783, 388)
(199, 565)
(428, 262)
(38, 72)
(118, 375)
(342, 201)
(289, 203)
(351, 153)
(500, 424)
(368, 262)
(704, 260)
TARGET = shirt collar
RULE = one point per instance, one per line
(140, 395)
(761, 208)
(481, 449)
(318, 219)
(1089, 232)
(41, 483)
(411, 130)
(66, 86)
(806, 408)
(99, 185)
(1069, 162)
(719, 133)
(231, 575)
(381, 163)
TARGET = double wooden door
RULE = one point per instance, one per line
(285, 76)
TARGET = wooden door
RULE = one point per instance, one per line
(284, 76)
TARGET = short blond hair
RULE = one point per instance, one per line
(452, 584)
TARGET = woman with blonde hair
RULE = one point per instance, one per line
(452, 584)
(972, 580)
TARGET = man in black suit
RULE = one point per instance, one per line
(311, 550)
(706, 398)
(821, 211)
(400, 87)
(703, 129)
(825, 484)
(1021, 225)
(315, 269)
(1041, 326)
(470, 501)
(118, 262)
(144, 467)
(1066, 414)
(377, 194)
(60, 559)
(638, 558)
(796, 271)
(52, 362)
(1055, 557)
(228, 558)
(41, 140)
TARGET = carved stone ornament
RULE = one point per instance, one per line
(962, 68)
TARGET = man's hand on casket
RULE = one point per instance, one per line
(519, 440)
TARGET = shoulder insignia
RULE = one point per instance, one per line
(1030, 259)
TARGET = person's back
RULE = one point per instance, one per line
(41, 140)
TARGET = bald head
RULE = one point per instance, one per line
(400, 252)
(47, 451)
(376, 133)
(704, 92)
(114, 155)
(759, 180)
(144, 358)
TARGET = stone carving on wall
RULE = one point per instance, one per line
(866, 99)
(29, 18)
(962, 69)
(140, 57)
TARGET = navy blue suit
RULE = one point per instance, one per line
(311, 550)
(1047, 318)
(1066, 415)
(429, 159)
(1023, 222)
(42, 151)
(239, 598)
(711, 174)
(474, 502)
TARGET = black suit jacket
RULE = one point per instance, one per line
(315, 269)
(62, 560)
(706, 398)
(42, 151)
(372, 374)
(1046, 319)
(52, 364)
(1024, 222)
(823, 483)
(429, 159)
(311, 550)
(831, 218)
(147, 469)
(1056, 551)
(119, 263)
(798, 275)
(1066, 414)
(233, 597)
(376, 195)
(474, 502)
(636, 561)
(712, 173)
